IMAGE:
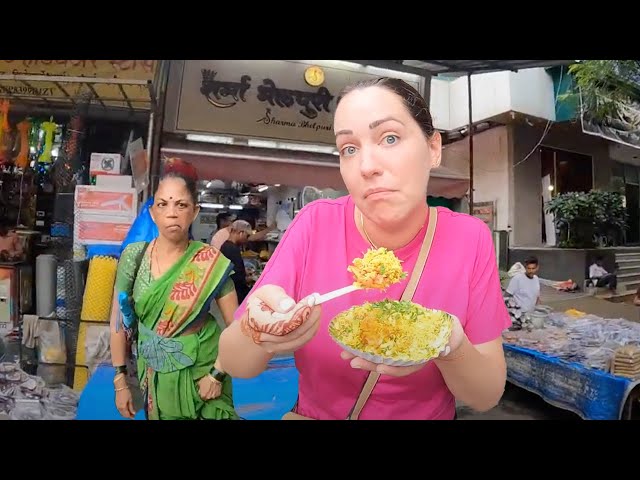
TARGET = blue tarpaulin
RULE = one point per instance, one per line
(590, 393)
(265, 397)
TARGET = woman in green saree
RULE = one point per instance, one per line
(172, 282)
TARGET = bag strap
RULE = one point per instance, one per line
(409, 291)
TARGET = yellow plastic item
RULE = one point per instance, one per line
(98, 292)
(49, 130)
(575, 313)
(81, 373)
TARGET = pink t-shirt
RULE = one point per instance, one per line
(460, 277)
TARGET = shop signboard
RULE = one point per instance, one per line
(485, 211)
(110, 94)
(280, 100)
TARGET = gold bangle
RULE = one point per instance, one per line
(120, 376)
(121, 388)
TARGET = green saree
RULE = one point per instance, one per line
(170, 363)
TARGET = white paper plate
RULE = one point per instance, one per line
(440, 343)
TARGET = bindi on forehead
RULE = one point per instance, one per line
(171, 198)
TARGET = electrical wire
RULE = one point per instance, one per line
(549, 122)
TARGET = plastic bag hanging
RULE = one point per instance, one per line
(4, 129)
(22, 160)
(49, 132)
(143, 228)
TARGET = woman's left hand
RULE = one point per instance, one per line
(455, 341)
(209, 388)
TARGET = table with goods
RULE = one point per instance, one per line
(579, 362)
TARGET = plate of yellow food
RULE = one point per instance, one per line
(395, 333)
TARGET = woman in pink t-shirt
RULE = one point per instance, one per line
(388, 146)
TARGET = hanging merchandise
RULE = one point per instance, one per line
(22, 160)
(35, 139)
(49, 131)
(52, 353)
(5, 129)
(69, 163)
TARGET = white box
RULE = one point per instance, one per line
(105, 164)
(114, 181)
(94, 200)
(101, 229)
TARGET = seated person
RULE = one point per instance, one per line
(525, 287)
(600, 277)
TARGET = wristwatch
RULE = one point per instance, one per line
(121, 369)
(218, 374)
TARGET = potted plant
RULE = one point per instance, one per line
(574, 214)
(611, 216)
(583, 217)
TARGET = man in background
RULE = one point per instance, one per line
(600, 277)
(223, 222)
(525, 287)
(239, 232)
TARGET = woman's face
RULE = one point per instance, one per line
(385, 158)
(173, 209)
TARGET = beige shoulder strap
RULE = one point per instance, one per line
(372, 379)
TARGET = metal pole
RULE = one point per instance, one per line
(470, 145)
(150, 145)
(154, 154)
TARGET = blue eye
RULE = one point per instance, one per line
(390, 139)
(350, 150)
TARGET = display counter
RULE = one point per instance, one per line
(571, 364)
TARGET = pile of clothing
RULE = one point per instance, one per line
(27, 397)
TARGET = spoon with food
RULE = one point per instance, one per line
(377, 269)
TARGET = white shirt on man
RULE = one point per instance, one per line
(525, 291)
(596, 271)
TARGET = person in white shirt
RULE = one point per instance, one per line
(223, 221)
(525, 287)
(600, 277)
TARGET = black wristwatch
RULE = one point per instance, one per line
(218, 374)
(121, 369)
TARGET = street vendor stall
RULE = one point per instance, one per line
(575, 362)
(73, 170)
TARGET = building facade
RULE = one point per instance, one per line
(528, 146)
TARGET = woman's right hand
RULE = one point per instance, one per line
(277, 323)
(124, 403)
